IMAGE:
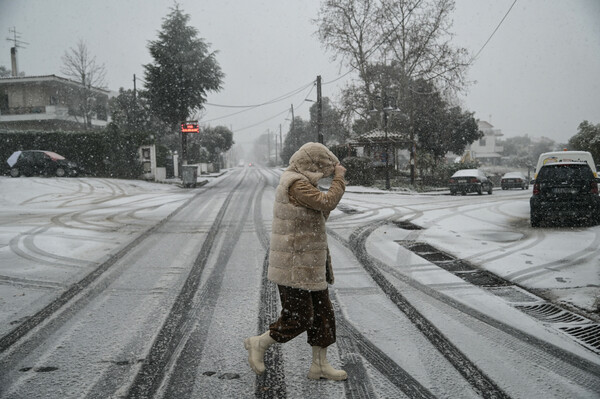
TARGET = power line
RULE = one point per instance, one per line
(256, 106)
(263, 121)
(274, 116)
(490, 38)
(338, 78)
(276, 99)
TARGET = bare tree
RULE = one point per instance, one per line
(351, 29)
(80, 66)
(398, 47)
(411, 36)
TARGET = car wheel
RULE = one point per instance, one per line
(464, 193)
(535, 219)
(452, 192)
(15, 172)
(60, 172)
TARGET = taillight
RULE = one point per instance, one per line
(536, 188)
(519, 180)
(474, 180)
(594, 188)
(451, 180)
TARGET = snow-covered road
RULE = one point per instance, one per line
(115, 288)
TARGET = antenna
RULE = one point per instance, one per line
(13, 50)
(16, 36)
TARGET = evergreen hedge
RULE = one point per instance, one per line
(106, 153)
(359, 171)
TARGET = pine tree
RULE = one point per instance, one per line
(183, 72)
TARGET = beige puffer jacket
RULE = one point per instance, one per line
(298, 253)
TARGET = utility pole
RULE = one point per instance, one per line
(292, 127)
(184, 148)
(268, 147)
(387, 148)
(276, 143)
(134, 90)
(413, 150)
(319, 111)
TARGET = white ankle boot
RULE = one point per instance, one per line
(256, 347)
(320, 367)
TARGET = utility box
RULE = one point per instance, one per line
(189, 175)
(147, 155)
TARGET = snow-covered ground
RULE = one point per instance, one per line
(493, 233)
(562, 263)
(55, 231)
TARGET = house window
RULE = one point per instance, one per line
(53, 100)
(3, 101)
(482, 142)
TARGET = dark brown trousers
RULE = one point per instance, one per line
(303, 310)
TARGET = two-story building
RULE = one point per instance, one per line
(50, 103)
(486, 150)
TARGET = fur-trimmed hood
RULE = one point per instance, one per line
(314, 161)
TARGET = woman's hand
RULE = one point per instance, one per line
(339, 170)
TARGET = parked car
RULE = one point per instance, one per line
(38, 162)
(565, 190)
(470, 181)
(514, 180)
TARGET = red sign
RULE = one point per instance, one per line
(190, 127)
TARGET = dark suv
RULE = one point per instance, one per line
(37, 162)
(565, 190)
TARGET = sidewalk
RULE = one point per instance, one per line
(200, 181)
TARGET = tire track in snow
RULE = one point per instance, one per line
(579, 369)
(480, 382)
(154, 368)
(180, 376)
(565, 262)
(350, 342)
(274, 375)
(11, 338)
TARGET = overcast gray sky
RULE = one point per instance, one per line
(539, 74)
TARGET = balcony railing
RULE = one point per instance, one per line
(23, 110)
(48, 112)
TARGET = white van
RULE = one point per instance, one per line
(565, 156)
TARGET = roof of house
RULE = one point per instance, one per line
(488, 129)
(46, 78)
(379, 136)
(479, 154)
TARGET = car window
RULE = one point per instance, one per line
(27, 156)
(40, 157)
(566, 172)
(513, 175)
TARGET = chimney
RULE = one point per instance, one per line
(13, 59)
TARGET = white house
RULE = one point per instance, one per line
(48, 103)
(485, 150)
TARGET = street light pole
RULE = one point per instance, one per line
(387, 149)
(319, 111)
